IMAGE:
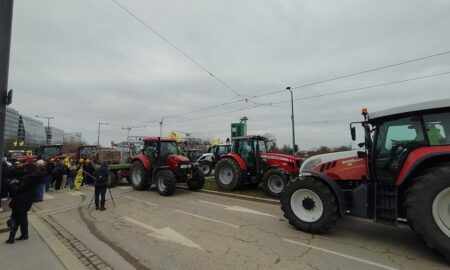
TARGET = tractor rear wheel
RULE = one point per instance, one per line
(139, 176)
(197, 181)
(165, 182)
(309, 205)
(206, 167)
(427, 207)
(228, 174)
(274, 181)
(112, 179)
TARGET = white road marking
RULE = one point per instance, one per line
(75, 193)
(166, 234)
(237, 208)
(341, 255)
(48, 197)
(142, 201)
(208, 219)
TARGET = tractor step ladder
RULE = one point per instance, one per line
(386, 203)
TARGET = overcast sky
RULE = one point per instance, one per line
(88, 61)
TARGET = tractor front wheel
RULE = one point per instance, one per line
(309, 205)
(165, 182)
(206, 167)
(274, 181)
(139, 176)
(228, 174)
(197, 181)
(427, 207)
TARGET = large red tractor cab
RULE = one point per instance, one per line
(87, 152)
(403, 173)
(161, 165)
(47, 152)
(250, 163)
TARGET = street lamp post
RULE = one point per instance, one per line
(48, 133)
(161, 126)
(292, 118)
(98, 139)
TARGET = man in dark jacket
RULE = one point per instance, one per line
(23, 192)
(89, 168)
(101, 183)
(58, 173)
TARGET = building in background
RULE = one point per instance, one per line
(56, 135)
(11, 125)
(31, 131)
(72, 138)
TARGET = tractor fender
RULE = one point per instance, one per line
(144, 160)
(238, 159)
(335, 187)
(420, 157)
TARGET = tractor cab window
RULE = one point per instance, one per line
(49, 152)
(438, 128)
(245, 150)
(394, 141)
(168, 148)
(262, 146)
(223, 149)
(150, 150)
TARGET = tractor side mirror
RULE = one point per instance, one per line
(353, 132)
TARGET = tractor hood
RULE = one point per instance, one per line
(281, 157)
(311, 162)
(349, 168)
(174, 161)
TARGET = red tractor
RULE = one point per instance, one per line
(160, 165)
(404, 173)
(250, 163)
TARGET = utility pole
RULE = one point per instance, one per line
(48, 133)
(160, 126)
(98, 139)
(292, 118)
(6, 14)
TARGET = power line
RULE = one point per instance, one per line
(354, 74)
(175, 47)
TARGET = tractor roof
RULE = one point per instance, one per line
(256, 137)
(411, 108)
(155, 139)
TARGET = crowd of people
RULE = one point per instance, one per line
(25, 184)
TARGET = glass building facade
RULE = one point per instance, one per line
(11, 125)
(31, 131)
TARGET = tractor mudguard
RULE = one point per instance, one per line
(144, 160)
(336, 189)
(238, 159)
(418, 157)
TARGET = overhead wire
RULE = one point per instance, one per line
(190, 58)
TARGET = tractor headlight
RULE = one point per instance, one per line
(185, 166)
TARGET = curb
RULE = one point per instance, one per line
(237, 196)
(62, 252)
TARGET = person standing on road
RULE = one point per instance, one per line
(23, 192)
(58, 173)
(17, 171)
(50, 181)
(6, 174)
(72, 173)
(101, 184)
(41, 188)
(89, 168)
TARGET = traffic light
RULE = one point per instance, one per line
(296, 148)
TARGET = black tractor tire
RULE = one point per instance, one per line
(139, 176)
(112, 179)
(421, 204)
(228, 174)
(274, 182)
(205, 164)
(197, 181)
(166, 182)
(309, 205)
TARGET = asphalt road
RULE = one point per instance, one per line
(194, 230)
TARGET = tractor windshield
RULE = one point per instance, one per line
(49, 152)
(169, 148)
